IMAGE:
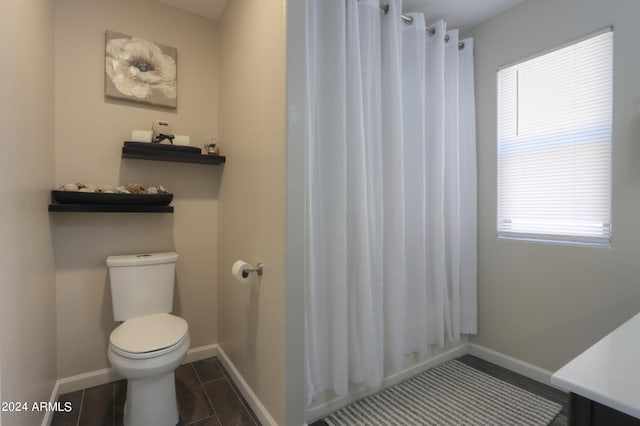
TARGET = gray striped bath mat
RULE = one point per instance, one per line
(450, 394)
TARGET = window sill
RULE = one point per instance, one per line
(555, 241)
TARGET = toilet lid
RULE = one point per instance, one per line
(149, 333)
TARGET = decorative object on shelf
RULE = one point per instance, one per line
(211, 148)
(130, 188)
(162, 131)
(139, 70)
(142, 135)
(182, 140)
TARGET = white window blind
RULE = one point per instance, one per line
(554, 144)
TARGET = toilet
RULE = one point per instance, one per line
(150, 343)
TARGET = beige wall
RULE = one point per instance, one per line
(27, 301)
(89, 134)
(251, 318)
(544, 303)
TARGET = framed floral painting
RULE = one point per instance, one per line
(140, 71)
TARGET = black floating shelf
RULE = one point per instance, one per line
(109, 208)
(176, 156)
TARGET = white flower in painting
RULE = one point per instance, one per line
(136, 67)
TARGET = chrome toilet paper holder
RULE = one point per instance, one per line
(259, 268)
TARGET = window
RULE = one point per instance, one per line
(554, 144)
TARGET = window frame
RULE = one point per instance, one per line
(560, 237)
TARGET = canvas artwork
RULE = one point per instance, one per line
(140, 71)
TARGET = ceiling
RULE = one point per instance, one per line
(211, 9)
(462, 14)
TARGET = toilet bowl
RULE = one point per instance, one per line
(146, 350)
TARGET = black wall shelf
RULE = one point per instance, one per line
(109, 208)
(175, 156)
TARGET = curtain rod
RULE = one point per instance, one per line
(430, 30)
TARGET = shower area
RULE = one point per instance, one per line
(390, 196)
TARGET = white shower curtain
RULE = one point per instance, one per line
(391, 191)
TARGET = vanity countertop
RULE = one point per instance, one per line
(609, 371)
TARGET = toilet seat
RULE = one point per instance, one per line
(148, 336)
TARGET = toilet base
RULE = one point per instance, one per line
(151, 388)
(151, 401)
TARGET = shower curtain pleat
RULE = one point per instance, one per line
(391, 142)
(362, 193)
(326, 317)
(436, 280)
(416, 315)
(468, 193)
(452, 185)
(393, 194)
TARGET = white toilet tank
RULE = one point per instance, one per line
(141, 284)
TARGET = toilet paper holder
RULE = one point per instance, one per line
(259, 268)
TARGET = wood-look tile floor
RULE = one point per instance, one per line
(206, 397)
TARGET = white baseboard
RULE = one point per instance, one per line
(86, 380)
(252, 399)
(322, 409)
(514, 364)
(48, 415)
(201, 352)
